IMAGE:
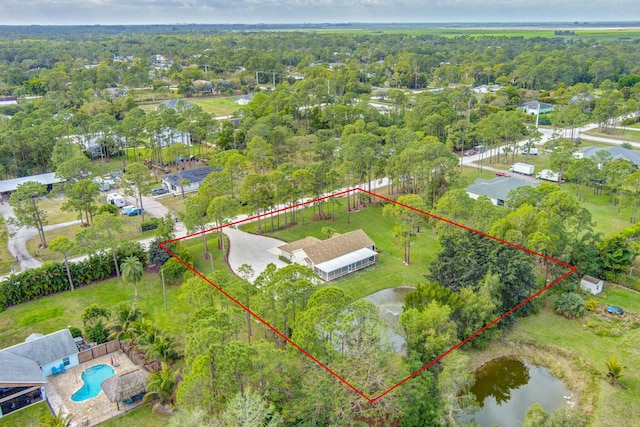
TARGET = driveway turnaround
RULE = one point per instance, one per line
(252, 249)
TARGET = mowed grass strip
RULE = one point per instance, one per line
(27, 417)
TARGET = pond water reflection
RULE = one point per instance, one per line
(505, 388)
(390, 303)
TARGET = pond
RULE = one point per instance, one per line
(390, 303)
(505, 388)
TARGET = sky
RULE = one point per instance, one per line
(105, 12)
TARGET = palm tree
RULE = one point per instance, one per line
(60, 420)
(124, 319)
(161, 385)
(132, 271)
(163, 349)
(614, 369)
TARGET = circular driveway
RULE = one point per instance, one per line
(257, 251)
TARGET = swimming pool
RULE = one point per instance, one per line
(92, 378)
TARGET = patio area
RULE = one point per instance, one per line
(92, 411)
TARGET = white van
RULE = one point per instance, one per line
(116, 199)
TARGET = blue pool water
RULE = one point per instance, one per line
(92, 378)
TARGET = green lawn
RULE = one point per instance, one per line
(390, 270)
(141, 416)
(27, 417)
(58, 311)
(218, 106)
(130, 232)
(618, 134)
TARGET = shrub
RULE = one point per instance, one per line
(570, 305)
(157, 255)
(591, 304)
(75, 332)
(150, 224)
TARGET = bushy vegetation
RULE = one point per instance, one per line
(51, 277)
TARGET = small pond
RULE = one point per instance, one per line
(505, 388)
(390, 303)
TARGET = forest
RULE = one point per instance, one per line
(323, 111)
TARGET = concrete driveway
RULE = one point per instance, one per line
(257, 251)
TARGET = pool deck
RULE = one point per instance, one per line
(91, 411)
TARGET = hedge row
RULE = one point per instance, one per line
(51, 277)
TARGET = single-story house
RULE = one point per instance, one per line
(335, 257)
(486, 88)
(591, 284)
(127, 387)
(8, 100)
(194, 176)
(536, 107)
(8, 186)
(496, 189)
(25, 367)
(244, 99)
(177, 104)
(617, 153)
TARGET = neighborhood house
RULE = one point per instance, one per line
(193, 178)
(496, 189)
(335, 257)
(25, 366)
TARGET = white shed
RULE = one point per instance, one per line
(591, 284)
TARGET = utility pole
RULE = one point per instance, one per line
(164, 291)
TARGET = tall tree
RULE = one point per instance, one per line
(132, 272)
(63, 245)
(139, 182)
(408, 221)
(26, 211)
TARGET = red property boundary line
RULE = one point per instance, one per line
(571, 268)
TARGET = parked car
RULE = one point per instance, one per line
(500, 173)
(134, 212)
(125, 209)
(159, 191)
(614, 310)
(470, 152)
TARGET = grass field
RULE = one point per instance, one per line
(27, 417)
(217, 106)
(619, 134)
(58, 311)
(130, 229)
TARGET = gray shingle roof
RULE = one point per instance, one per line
(534, 105)
(497, 188)
(616, 152)
(46, 349)
(19, 371)
(192, 175)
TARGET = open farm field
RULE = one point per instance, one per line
(527, 33)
